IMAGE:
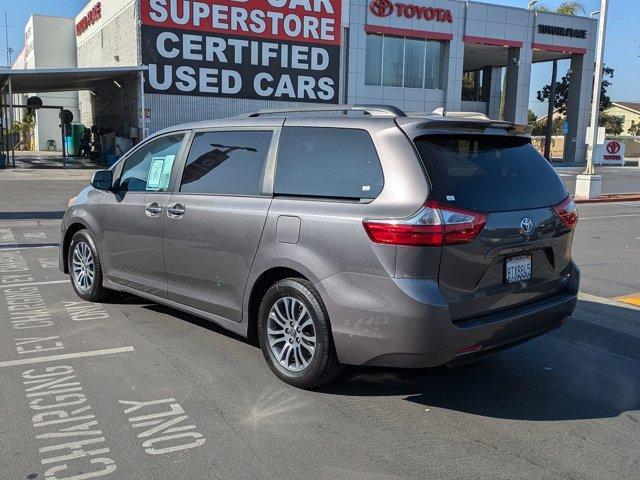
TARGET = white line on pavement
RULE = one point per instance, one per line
(64, 356)
(50, 282)
(612, 216)
(29, 247)
(606, 301)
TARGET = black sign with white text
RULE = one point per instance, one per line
(198, 63)
(267, 49)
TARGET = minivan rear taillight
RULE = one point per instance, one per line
(435, 224)
(568, 212)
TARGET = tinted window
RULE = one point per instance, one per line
(226, 162)
(327, 162)
(148, 169)
(489, 174)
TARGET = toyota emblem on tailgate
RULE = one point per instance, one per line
(526, 224)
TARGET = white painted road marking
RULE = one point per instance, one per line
(166, 433)
(64, 437)
(611, 216)
(65, 356)
(32, 235)
(23, 246)
(50, 282)
(48, 262)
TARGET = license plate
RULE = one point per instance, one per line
(517, 269)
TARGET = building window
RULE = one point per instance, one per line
(392, 53)
(373, 60)
(403, 62)
(433, 64)
(414, 51)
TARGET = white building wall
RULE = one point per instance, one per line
(454, 59)
(408, 99)
(112, 41)
(50, 43)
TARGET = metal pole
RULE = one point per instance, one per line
(13, 152)
(3, 141)
(6, 39)
(143, 107)
(552, 101)
(64, 154)
(595, 102)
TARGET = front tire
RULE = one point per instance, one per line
(295, 335)
(85, 269)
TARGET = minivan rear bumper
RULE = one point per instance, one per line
(395, 322)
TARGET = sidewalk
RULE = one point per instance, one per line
(615, 180)
(49, 166)
(45, 159)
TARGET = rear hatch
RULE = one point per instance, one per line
(523, 253)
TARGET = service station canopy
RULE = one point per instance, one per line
(63, 79)
(37, 80)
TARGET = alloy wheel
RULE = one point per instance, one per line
(291, 334)
(83, 266)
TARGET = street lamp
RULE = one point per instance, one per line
(588, 184)
(532, 4)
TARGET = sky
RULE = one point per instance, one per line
(622, 51)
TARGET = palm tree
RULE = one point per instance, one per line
(566, 8)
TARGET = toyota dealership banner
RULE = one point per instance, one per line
(258, 49)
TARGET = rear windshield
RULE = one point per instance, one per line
(489, 173)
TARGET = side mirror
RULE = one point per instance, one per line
(102, 180)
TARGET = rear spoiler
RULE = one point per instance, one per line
(444, 124)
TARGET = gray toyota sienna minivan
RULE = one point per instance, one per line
(358, 235)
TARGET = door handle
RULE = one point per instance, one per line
(153, 209)
(176, 211)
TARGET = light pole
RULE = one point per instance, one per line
(6, 38)
(595, 103)
(589, 184)
(590, 170)
(550, 108)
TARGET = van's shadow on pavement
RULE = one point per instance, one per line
(490, 388)
(573, 373)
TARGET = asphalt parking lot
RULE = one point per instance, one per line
(127, 389)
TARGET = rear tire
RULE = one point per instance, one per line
(85, 269)
(295, 335)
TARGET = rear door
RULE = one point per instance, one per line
(215, 218)
(524, 250)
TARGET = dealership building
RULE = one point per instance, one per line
(215, 58)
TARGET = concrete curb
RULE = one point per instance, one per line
(611, 197)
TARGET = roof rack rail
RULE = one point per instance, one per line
(373, 110)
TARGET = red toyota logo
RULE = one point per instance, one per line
(381, 8)
(613, 147)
